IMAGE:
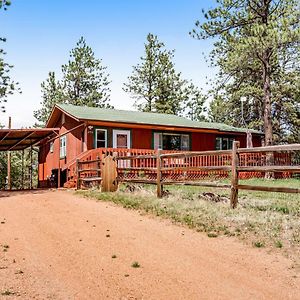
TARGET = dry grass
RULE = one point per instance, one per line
(270, 220)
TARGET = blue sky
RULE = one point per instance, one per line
(40, 34)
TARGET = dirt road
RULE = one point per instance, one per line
(54, 245)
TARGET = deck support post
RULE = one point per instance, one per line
(30, 169)
(234, 175)
(58, 170)
(78, 175)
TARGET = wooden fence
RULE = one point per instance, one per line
(201, 168)
(194, 168)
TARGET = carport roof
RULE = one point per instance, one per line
(19, 139)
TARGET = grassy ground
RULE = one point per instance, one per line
(262, 219)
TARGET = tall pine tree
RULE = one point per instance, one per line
(84, 82)
(156, 85)
(7, 85)
(256, 40)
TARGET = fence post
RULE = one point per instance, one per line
(98, 164)
(78, 174)
(158, 177)
(109, 174)
(234, 175)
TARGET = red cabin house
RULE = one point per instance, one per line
(82, 129)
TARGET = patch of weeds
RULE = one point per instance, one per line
(188, 219)
(283, 209)
(212, 235)
(7, 293)
(126, 275)
(114, 256)
(108, 235)
(278, 244)
(259, 244)
(135, 264)
(19, 272)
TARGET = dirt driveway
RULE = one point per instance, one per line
(54, 245)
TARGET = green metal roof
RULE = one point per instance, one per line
(137, 117)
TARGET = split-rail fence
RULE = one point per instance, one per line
(108, 167)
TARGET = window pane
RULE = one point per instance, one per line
(185, 142)
(121, 140)
(157, 140)
(224, 143)
(171, 142)
(230, 143)
(51, 147)
(100, 135)
(100, 144)
(218, 143)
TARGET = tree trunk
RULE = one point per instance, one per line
(267, 100)
(267, 114)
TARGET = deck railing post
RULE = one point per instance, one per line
(78, 174)
(158, 177)
(234, 175)
(99, 170)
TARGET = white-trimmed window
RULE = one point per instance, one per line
(171, 141)
(224, 143)
(100, 138)
(63, 146)
(51, 147)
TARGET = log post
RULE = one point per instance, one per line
(234, 175)
(109, 174)
(77, 174)
(158, 176)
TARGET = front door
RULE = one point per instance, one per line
(121, 139)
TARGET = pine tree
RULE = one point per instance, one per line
(257, 41)
(7, 85)
(84, 82)
(52, 93)
(155, 84)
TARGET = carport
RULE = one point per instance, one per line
(20, 139)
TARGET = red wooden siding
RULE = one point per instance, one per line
(141, 138)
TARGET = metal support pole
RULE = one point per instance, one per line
(30, 167)
(9, 161)
(23, 169)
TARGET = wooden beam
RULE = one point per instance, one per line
(197, 183)
(196, 153)
(5, 136)
(278, 148)
(292, 169)
(268, 188)
(200, 168)
(23, 139)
